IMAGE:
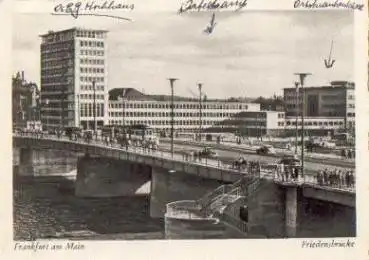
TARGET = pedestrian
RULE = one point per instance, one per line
(325, 176)
(349, 154)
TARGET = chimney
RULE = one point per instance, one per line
(22, 75)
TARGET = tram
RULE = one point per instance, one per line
(137, 135)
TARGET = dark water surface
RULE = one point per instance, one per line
(45, 207)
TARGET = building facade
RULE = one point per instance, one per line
(25, 101)
(155, 111)
(323, 105)
(74, 78)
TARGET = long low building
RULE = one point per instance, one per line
(155, 111)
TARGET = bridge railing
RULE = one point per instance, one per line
(266, 171)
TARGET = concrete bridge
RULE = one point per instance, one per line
(198, 199)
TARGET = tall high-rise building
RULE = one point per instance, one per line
(74, 78)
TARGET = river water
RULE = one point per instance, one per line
(45, 207)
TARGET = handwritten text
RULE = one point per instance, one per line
(191, 5)
(324, 4)
(75, 9)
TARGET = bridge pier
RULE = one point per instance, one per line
(169, 186)
(291, 211)
(26, 159)
(106, 177)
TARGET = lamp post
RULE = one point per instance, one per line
(123, 110)
(200, 104)
(172, 80)
(47, 116)
(94, 109)
(297, 115)
(302, 77)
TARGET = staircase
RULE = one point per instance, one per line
(213, 204)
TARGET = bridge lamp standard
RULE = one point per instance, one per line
(171, 81)
(302, 77)
(200, 105)
(297, 102)
(123, 109)
(47, 116)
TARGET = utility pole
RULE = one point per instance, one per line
(47, 116)
(123, 110)
(200, 103)
(302, 77)
(95, 123)
(297, 115)
(172, 80)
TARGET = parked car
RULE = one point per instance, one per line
(266, 149)
(208, 152)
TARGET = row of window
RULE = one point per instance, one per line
(91, 70)
(87, 110)
(91, 96)
(57, 55)
(178, 106)
(92, 53)
(89, 87)
(92, 44)
(51, 50)
(160, 122)
(92, 61)
(315, 123)
(90, 79)
(167, 114)
(90, 34)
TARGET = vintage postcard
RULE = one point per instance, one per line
(188, 129)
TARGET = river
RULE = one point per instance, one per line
(45, 207)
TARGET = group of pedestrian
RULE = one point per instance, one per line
(348, 153)
(336, 178)
(288, 172)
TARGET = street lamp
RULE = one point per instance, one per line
(94, 108)
(302, 77)
(200, 103)
(172, 80)
(123, 109)
(47, 116)
(297, 115)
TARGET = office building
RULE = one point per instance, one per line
(325, 106)
(74, 78)
(155, 111)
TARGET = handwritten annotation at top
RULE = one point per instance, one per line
(328, 4)
(75, 9)
(204, 5)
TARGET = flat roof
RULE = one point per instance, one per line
(72, 29)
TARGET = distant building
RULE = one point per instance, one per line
(256, 123)
(155, 110)
(25, 101)
(330, 106)
(71, 60)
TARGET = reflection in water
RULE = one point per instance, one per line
(46, 207)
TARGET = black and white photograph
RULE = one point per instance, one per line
(192, 123)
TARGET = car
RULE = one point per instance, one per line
(266, 149)
(208, 152)
(292, 160)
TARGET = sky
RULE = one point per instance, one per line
(250, 53)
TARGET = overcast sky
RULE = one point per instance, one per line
(250, 53)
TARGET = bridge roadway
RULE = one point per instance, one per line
(179, 156)
(231, 154)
